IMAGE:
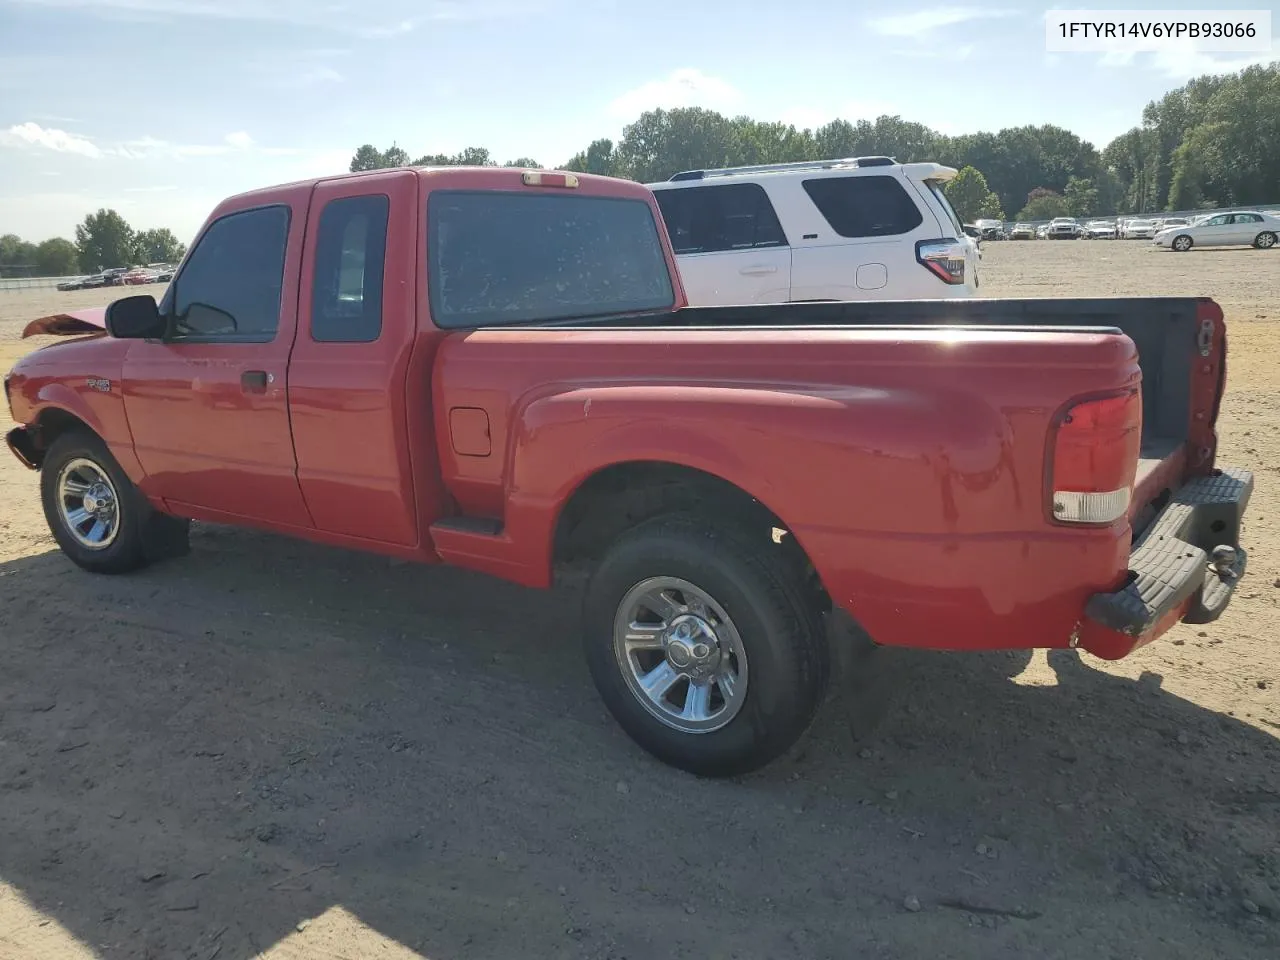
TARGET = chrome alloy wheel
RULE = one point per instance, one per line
(88, 504)
(680, 655)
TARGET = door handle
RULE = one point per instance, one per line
(255, 381)
(757, 271)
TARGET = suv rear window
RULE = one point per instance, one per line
(874, 206)
(735, 216)
(498, 257)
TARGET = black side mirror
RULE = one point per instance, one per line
(135, 318)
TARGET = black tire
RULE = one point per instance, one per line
(1265, 240)
(777, 618)
(1179, 246)
(142, 535)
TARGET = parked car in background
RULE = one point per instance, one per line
(860, 228)
(990, 229)
(1042, 232)
(1226, 229)
(1140, 230)
(1063, 228)
(138, 276)
(1022, 231)
(1100, 230)
(75, 283)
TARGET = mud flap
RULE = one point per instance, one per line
(864, 674)
(164, 537)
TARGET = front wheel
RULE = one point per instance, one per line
(1265, 240)
(100, 520)
(705, 645)
(1182, 243)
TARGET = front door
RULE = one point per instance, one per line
(208, 406)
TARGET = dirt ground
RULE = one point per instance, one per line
(270, 748)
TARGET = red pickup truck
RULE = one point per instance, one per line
(496, 369)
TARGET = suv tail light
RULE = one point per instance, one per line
(945, 259)
(1095, 458)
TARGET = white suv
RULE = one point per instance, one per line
(863, 228)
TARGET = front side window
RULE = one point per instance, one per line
(712, 219)
(351, 246)
(869, 206)
(230, 287)
(501, 257)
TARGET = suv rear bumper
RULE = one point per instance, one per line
(1177, 569)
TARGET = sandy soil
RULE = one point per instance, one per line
(280, 749)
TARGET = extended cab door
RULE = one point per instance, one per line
(729, 245)
(207, 405)
(348, 389)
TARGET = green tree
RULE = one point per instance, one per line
(523, 162)
(158, 246)
(972, 198)
(598, 158)
(57, 257)
(104, 240)
(1044, 204)
(17, 256)
(1081, 196)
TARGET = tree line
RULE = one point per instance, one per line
(1212, 142)
(103, 240)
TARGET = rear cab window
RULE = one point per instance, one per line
(866, 206)
(499, 257)
(713, 219)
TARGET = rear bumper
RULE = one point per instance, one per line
(1174, 574)
(22, 445)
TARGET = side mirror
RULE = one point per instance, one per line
(135, 318)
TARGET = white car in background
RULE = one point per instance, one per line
(1100, 230)
(858, 228)
(1244, 227)
(1140, 230)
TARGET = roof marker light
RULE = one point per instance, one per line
(539, 178)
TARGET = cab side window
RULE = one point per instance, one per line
(714, 219)
(351, 247)
(230, 287)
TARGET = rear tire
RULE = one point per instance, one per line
(95, 513)
(1265, 240)
(728, 617)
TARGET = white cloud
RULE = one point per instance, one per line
(240, 140)
(33, 135)
(686, 87)
(924, 22)
(1184, 62)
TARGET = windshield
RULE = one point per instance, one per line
(499, 257)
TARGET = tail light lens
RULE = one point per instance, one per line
(1096, 444)
(945, 259)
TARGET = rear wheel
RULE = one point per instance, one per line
(1182, 243)
(1265, 240)
(705, 645)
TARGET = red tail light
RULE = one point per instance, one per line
(945, 259)
(1096, 444)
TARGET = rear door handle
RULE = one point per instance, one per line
(758, 271)
(255, 381)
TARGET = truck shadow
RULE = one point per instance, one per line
(207, 758)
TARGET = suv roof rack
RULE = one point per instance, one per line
(854, 162)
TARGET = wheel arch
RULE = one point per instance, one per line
(617, 497)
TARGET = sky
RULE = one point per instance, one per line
(160, 108)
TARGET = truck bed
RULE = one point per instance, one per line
(1169, 333)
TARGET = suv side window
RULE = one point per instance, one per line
(735, 216)
(351, 247)
(229, 289)
(870, 206)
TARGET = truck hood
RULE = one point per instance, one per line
(69, 324)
